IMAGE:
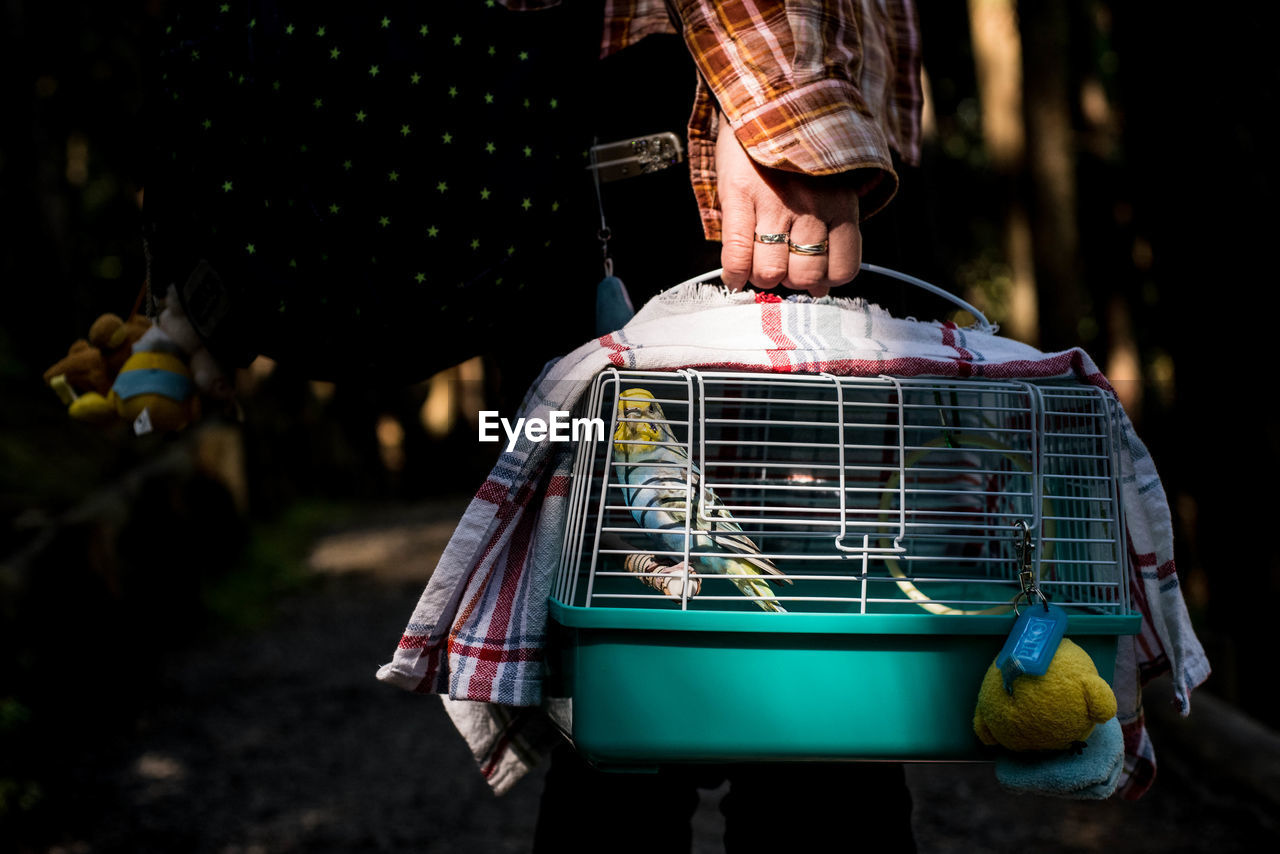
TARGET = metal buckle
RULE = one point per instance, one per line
(641, 155)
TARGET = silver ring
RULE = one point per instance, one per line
(773, 238)
(807, 248)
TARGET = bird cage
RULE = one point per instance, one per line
(803, 567)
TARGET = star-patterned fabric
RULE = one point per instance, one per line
(379, 169)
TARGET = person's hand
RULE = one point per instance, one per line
(756, 200)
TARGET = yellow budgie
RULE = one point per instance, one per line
(658, 481)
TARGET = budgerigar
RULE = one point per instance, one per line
(657, 478)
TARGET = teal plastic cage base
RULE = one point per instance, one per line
(905, 514)
(646, 688)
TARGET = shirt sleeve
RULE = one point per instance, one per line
(819, 87)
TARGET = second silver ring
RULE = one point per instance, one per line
(807, 248)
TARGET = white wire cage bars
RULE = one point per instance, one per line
(865, 495)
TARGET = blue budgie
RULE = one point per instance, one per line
(657, 477)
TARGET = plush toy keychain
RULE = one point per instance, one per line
(91, 364)
(1043, 702)
(1056, 710)
(153, 390)
(148, 373)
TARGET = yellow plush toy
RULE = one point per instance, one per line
(153, 390)
(92, 364)
(1056, 711)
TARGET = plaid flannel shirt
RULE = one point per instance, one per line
(819, 87)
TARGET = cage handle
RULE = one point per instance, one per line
(983, 325)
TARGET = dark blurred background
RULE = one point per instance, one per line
(1095, 173)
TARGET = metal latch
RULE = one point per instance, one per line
(641, 155)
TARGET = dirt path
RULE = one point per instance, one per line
(282, 741)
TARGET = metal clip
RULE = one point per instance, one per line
(641, 155)
(1026, 575)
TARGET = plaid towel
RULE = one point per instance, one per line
(478, 632)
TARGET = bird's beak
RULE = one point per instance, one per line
(634, 430)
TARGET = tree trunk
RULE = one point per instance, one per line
(1051, 170)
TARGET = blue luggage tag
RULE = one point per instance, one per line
(1032, 643)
